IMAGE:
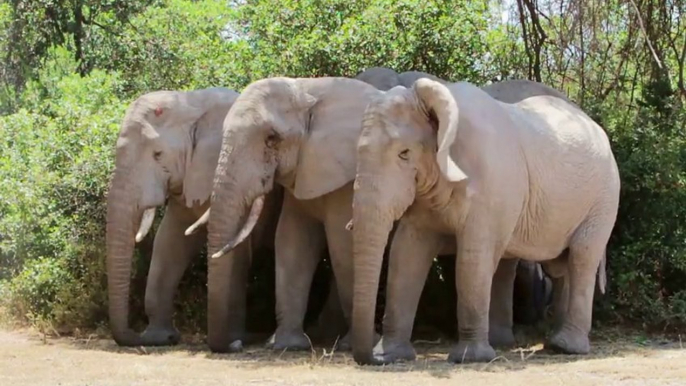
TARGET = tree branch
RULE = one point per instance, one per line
(645, 35)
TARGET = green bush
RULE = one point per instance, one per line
(647, 253)
(56, 159)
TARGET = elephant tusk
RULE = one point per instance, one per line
(146, 223)
(539, 271)
(254, 215)
(349, 225)
(201, 221)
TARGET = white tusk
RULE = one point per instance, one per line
(201, 221)
(250, 222)
(539, 271)
(349, 225)
(146, 223)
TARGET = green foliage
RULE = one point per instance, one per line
(31, 28)
(57, 154)
(648, 249)
(341, 38)
(179, 45)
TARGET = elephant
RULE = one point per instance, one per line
(524, 278)
(494, 182)
(300, 134)
(166, 155)
(385, 78)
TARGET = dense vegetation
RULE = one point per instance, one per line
(69, 69)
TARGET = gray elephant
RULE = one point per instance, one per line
(513, 276)
(493, 181)
(166, 155)
(385, 78)
(300, 134)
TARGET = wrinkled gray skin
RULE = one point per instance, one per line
(534, 180)
(166, 155)
(514, 91)
(526, 276)
(300, 134)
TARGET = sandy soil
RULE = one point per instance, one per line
(618, 359)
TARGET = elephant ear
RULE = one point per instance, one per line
(328, 151)
(439, 104)
(206, 135)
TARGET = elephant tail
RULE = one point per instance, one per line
(602, 277)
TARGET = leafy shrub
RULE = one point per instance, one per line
(647, 253)
(57, 154)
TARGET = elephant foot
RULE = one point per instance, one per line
(295, 341)
(345, 344)
(568, 341)
(388, 351)
(160, 336)
(236, 346)
(471, 351)
(501, 336)
(221, 345)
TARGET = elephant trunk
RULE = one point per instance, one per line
(121, 218)
(226, 276)
(371, 227)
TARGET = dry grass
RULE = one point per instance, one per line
(618, 358)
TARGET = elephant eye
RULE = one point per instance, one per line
(157, 155)
(404, 155)
(272, 140)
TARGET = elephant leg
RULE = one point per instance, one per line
(331, 323)
(412, 252)
(299, 245)
(500, 314)
(557, 269)
(475, 264)
(572, 336)
(560, 301)
(172, 252)
(227, 282)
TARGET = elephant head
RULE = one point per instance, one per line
(168, 146)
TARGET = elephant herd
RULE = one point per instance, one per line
(505, 176)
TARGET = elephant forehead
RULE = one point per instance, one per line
(272, 91)
(400, 116)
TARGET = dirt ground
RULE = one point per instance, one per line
(618, 358)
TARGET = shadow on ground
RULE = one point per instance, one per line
(431, 356)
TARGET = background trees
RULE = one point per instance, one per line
(69, 68)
